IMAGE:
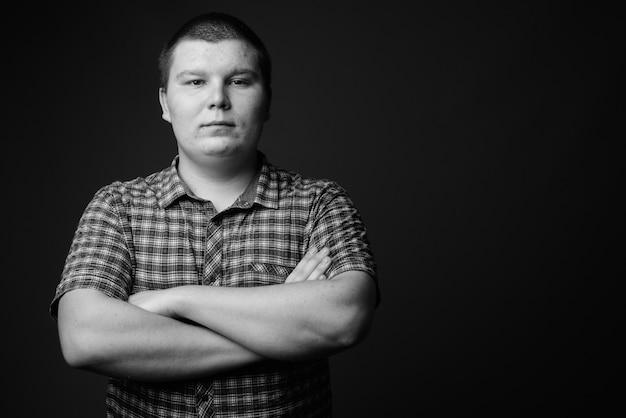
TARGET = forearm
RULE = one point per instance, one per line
(292, 321)
(114, 338)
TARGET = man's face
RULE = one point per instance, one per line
(215, 99)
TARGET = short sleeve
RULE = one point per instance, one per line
(338, 225)
(99, 257)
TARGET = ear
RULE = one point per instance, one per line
(163, 100)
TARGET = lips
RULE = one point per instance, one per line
(220, 123)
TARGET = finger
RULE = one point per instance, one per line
(297, 274)
(308, 266)
(316, 265)
(319, 270)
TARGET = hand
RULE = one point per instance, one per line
(311, 267)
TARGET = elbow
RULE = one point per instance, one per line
(75, 348)
(78, 337)
(357, 330)
(74, 357)
(340, 331)
(353, 328)
(355, 313)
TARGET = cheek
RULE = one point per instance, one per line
(255, 119)
(259, 111)
(184, 108)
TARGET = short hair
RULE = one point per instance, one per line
(216, 27)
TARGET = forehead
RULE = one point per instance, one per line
(225, 54)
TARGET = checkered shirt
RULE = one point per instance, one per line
(151, 233)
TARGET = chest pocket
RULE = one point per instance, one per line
(256, 274)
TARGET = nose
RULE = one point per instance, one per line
(218, 98)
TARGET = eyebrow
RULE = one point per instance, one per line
(200, 72)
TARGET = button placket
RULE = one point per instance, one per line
(213, 252)
(204, 400)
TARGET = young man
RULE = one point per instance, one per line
(220, 285)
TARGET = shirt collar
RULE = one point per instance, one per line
(267, 184)
(262, 190)
(168, 185)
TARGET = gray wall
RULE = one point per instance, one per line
(479, 144)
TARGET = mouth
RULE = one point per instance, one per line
(220, 123)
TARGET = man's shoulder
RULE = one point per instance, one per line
(290, 182)
(140, 190)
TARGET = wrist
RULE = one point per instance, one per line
(180, 300)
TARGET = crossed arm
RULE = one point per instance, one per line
(192, 331)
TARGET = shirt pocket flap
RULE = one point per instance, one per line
(266, 273)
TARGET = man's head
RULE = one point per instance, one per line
(215, 90)
(216, 27)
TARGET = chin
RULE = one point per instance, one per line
(219, 146)
(215, 147)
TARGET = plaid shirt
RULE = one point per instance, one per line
(151, 233)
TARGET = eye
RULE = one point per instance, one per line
(239, 82)
(196, 82)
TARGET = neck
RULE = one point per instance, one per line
(221, 181)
